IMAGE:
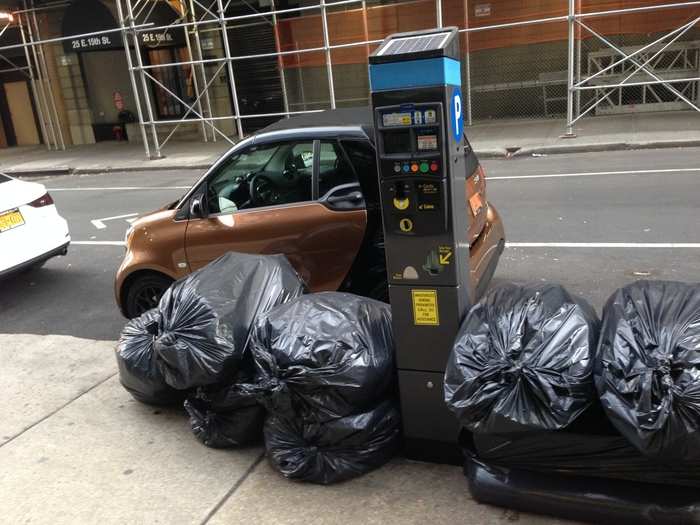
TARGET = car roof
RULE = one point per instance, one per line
(342, 121)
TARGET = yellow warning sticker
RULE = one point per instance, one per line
(445, 254)
(425, 308)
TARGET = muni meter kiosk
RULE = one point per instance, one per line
(415, 83)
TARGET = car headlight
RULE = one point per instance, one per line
(127, 234)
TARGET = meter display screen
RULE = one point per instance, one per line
(427, 142)
(397, 142)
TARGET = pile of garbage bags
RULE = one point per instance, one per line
(551, 401)
(326, 367)
(253, 357)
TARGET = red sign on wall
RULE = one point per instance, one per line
(118, 100)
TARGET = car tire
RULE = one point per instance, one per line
(144, 293)
(380, 292)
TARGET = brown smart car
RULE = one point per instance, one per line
(305, 187)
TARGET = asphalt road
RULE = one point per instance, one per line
(638, 200)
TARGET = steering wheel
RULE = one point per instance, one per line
(263, 190)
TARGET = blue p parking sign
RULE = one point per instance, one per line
(456, 115)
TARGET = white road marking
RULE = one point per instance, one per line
(100, 225)
(667, 245)
(98, 243)
(594, 174)
(123, 188)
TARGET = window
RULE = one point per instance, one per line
(177, 79)
(364, 160)
(265, 175)
(334, 168)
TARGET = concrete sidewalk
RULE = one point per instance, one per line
(75, 448)
(490, 139)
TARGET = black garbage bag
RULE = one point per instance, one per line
(522, 360)
(325, 355)
(590, 447)
(609, 502)
(335, 450)
(136, 360)
(647, 370)
(207, 316)
(229, 416)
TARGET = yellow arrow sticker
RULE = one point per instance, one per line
(445, 254)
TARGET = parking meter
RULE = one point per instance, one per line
(423, 162)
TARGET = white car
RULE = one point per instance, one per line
(31, 230)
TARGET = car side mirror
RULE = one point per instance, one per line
(197, 207)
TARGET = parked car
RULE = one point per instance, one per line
(31, 229)
(306, 187)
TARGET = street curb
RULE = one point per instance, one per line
(511, 152)
(101, 170)
(584, 148)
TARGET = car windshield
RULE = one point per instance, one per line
(4, 178)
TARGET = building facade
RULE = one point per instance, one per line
(85, 71)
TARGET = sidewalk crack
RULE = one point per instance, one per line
(57, 410)
(233, 489)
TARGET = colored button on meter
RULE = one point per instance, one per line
(414, 168)
(406, 168)
(434, 167)
(406, 225)
(424, 167)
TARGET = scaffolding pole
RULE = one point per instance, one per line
(32, 83)
(570, 80)
(139, 61)
(202, 70)
(327, 52)
(193, 73)
(43, 100)
(49, 86)
(229, 66)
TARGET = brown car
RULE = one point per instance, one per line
(305, 187)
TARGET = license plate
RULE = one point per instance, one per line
(10, 219)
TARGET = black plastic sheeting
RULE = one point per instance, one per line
(647, 371)
(583, 499)
(224, 417)
(591, 448)
(207, 316)
(325, 356)
(138, 371)
(334, 450)
(523, 360)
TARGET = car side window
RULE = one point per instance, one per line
(364, 160)
(262, 175)
(334, 168)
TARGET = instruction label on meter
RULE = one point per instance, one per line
(425, 308)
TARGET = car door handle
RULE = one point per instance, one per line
(355, 196)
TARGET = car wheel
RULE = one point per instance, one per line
(144, 293)
(380, 292)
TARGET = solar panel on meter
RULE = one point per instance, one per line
(413, 44)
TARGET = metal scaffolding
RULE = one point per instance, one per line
(209, 20)
(35, 70)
